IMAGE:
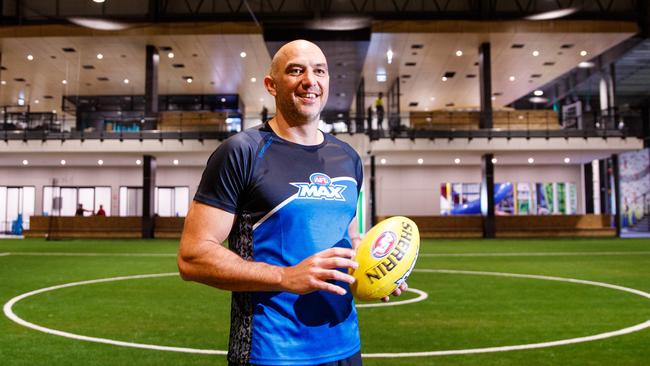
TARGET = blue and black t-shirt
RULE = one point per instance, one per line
(291, 202)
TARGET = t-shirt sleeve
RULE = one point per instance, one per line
(226, 174)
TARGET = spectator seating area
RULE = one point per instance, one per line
(442, 120)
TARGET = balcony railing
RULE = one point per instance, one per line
(197, 125)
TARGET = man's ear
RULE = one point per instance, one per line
(269, 84)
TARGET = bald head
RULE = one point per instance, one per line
(299, 82)
(291, 50)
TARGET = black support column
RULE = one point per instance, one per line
(487, 196)
(589, 187)
(373, 195)
(603, 178)
(645, 120)
(151, 87)
(617, 195)
(485, 85)
(148, 196)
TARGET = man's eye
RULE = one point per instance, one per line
(320, 72)
(295, 71)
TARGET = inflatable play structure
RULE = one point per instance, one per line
(501, 192)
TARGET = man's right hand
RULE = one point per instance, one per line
(319, 271)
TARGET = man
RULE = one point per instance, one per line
(80, 210)
(379, 107)
(286, 193)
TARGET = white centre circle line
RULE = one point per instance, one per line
(8, 311)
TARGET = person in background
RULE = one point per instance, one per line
(101, 211)
(379, 107)
(80, 210)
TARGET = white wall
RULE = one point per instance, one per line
(415, 190)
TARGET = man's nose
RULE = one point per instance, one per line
(309, 78)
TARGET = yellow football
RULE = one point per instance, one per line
(386, 257)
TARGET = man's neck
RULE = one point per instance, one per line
(300, 133)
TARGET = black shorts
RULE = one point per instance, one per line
(354, 360)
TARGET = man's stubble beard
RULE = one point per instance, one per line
(291, 112)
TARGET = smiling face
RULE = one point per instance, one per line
(299, 81)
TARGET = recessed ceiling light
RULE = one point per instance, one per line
(538, 93)
(3, 82)
(494, 160)
(63, 162)
(382, 161)
(30, 57)
(583, 53)
(189, 80)
(25, 162)
(459, 53)
(100, 56)
(457, 161)
(535, 53)
(553, 14)
(242, 54)
(126, 81)
(511, 78)
(381, 77)
(64, 81)
(567, 160)
(223, 100)
(253, 80)
(175, 162)
(98, 1)
(170, 55)
(100, 162)
(36, 101)
(531, 160)
(444, 78)
(54, 111)
(586, 64)
(420, 161)
(389, 56)
(138, 162)
(538, 100)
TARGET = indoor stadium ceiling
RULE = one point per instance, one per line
(421, 56)
(213, 62)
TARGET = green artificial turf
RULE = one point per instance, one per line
(463, 311)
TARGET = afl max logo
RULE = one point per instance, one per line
(320, 187)
(383, 244)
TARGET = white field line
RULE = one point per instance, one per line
(4, 254)
(8, 311)
(64, 254)
(533, 254)
(10, 314)
(421, 297)
(634, 328)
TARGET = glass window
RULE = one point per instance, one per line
(181, 201)
(103, 199)
(16, 206)
(63, 201)
(130, 201)
(168, 202)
